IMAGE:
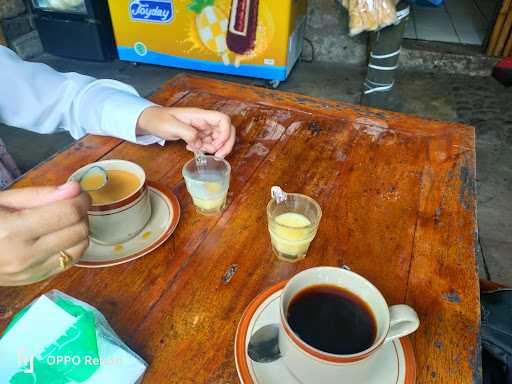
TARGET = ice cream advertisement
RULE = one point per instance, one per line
(259, 38)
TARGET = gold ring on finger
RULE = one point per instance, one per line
(65, 260)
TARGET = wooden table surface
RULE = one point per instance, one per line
(398, 200)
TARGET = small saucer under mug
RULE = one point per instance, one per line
(165, 214)
(394, 363)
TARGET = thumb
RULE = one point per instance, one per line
(36, 196)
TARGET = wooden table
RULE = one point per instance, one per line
(398, 197)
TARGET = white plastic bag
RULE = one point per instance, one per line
(58, 339)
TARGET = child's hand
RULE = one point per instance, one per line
(209, 131)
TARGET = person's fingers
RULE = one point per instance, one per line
(203, 147)
(227, 147)
(37, 196)
(201, 124)
(63, 239)
(36, 222)
(206, 133)
(219, 123)
(77, 250)
(207, 140)
(183, 131)
(75, 253)
(51, 244)
(189, 115)
(47, 267)
(222, 129)
(166, 124)
(50, 266)
(209, 148)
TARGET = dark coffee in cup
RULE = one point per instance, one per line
(332, 319)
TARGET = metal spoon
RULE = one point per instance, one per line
(278, 194)
(200, 159)
(264, 344)
(96, 170)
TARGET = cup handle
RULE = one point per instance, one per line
(403, 320)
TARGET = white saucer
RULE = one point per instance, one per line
(395, 359)
(165, 214)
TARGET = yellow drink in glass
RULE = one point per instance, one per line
(208, 184)
(212, 200)
(292, 225)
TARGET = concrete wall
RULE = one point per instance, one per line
(328, 31)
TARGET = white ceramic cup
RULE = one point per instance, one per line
(118, 221)
(311, 365)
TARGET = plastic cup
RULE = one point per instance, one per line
(208, 183)
(293, 225)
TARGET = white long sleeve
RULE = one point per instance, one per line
(37, 98)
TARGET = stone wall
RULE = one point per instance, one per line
(11, 8)
(14, 18)
(17, 27)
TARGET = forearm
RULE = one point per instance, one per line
(35, 97)
(116, 109)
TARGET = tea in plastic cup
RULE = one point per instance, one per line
(293, 224)
(208, 183)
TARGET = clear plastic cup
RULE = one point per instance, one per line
(293, 225)
(208, 184)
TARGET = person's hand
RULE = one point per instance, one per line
(35, 225)
(208, 131)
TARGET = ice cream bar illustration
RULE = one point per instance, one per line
(211, 25)
(243, 22)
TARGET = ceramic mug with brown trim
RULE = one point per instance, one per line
(118, 216)
(312, 365)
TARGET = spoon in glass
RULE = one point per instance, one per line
(200, 159)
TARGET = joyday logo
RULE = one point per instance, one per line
(153, 11)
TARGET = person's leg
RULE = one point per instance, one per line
(496, 332)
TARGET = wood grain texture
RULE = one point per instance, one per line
(497, 31)
(507, 51)
(398, 201)
(504, 34)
